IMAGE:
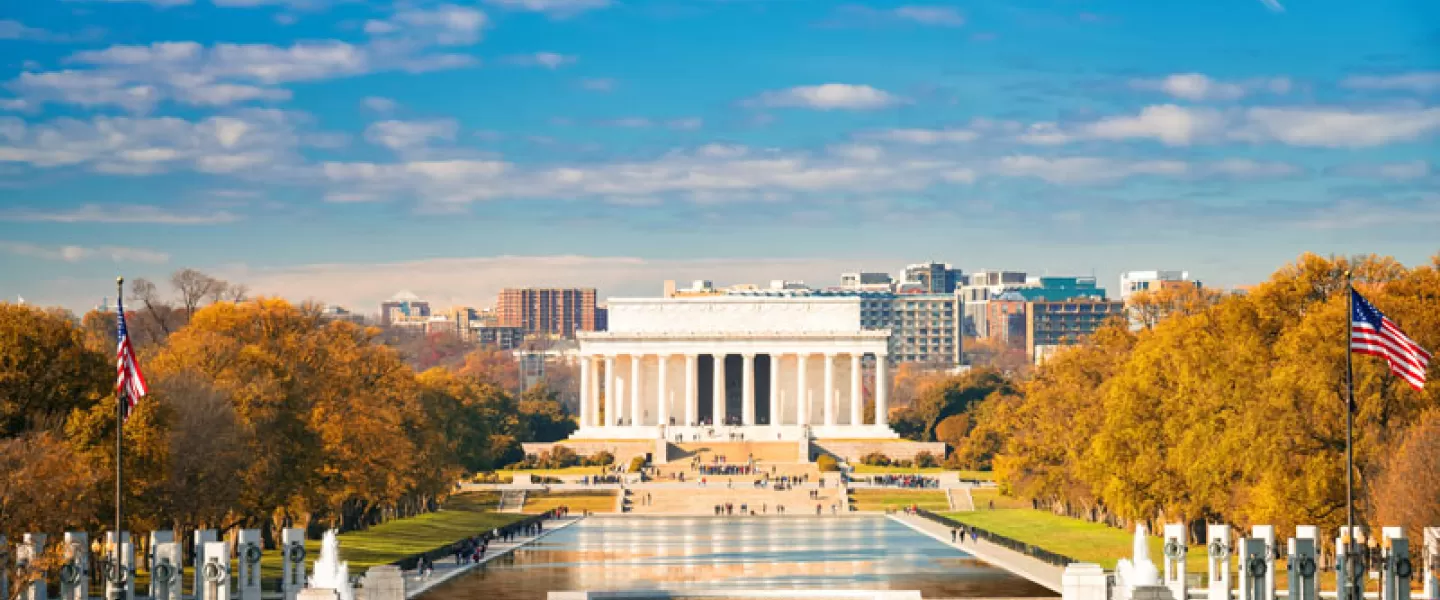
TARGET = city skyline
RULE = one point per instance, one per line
(345, 151)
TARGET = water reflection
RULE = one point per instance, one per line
(688, 553)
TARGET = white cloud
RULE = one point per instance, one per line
(1414, 169)
(1085, 170)
(80, 253)
(1244, 168)
(626, 123)
(829, 96)
(1273, 5)
(15, 30)
(942, 16)
(552, 8)
(249, 140)
(1337, 127)
(119, 213)
(446, 25)
(1420, 82)
(925, 137)
(1198, 87)
(686, 124)
(410, 135)
(548, 60)
(380, 104)
(1167, 123)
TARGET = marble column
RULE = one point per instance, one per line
(662, 395)
(594, 391)
(882, 390)
(857, 395)
(802, 399)
(611, 405)
(635, 361)
(747, 393)
(829, 393)
(774, 389)
(692, 392)
(585, 399)
(718, 414)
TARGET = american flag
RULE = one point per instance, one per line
(129, 381)
(1371, 332)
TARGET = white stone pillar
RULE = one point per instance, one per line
(612, 406)
(718, 414)
(774, 389)
(635, 360)
(662, 395)
(802, 398)
(585, 399)
(692, 392)
(857, 394)
(882, 390)
(748, 391)
(829, 394)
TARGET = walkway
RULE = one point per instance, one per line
(1028, 567)
(447, 569)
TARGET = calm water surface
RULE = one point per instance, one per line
(689, 553)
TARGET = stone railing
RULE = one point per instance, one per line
(1002, 541)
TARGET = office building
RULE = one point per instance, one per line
(405, 309)
(1050, 324)
(558, 311)
(867, 282)
(1132, 282)
(932, 278)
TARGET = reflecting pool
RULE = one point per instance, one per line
(696, 553)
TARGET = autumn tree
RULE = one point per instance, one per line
(47, 370)
(493, 366)
(44, 487)
(1406, 491)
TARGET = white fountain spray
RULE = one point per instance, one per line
(330, 572)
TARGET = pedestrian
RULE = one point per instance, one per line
(953, 533)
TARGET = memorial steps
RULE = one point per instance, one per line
(702, 501)
(736, 452)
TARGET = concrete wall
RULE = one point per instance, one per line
(623, 450)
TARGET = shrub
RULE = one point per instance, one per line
(637, 463)
(875, 459)
(826, 463)
(904, 463)
(602, 458)
(926, 459)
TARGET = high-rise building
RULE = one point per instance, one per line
(1132, 282)
(547, 310)
(867, 282)
(405, 307)
(1050, 324)
(933, 277)
(602, 318)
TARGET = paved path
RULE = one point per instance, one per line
(1028, 567)
(446, 568)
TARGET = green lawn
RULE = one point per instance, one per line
(877, 500)
(579, 501)
(1080, 540)
(984, 496)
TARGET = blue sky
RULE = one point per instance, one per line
(347, 150)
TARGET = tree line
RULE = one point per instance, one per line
(1214, 408)
(261, 414)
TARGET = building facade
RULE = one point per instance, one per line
(1132, 282)
(933, 277)
(1057, 323)
(404, 308)
(558, 311)
(775, 367)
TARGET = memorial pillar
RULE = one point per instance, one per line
(585, 399)
(635, 360)
(747, 396)
(882, 390)
(828, 395)
(802, 399)
(857, 394)
(595, 367)
(611, 406)
(692, 391)
(662, 404)
(774, 389)
(719, 395)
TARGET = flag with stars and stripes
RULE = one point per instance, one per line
(1371, 332)
(129, 381)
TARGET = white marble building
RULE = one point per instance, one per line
(766, 368)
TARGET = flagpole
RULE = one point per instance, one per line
(116, 587)
(1351, 546)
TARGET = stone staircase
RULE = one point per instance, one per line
(702, 500)
(511, 501)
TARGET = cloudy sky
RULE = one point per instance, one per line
(347, 150)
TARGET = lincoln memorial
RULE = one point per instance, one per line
(765, 369)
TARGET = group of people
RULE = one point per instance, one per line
(728, 509)
(957, 534)
(905, 481)
(600, 480)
